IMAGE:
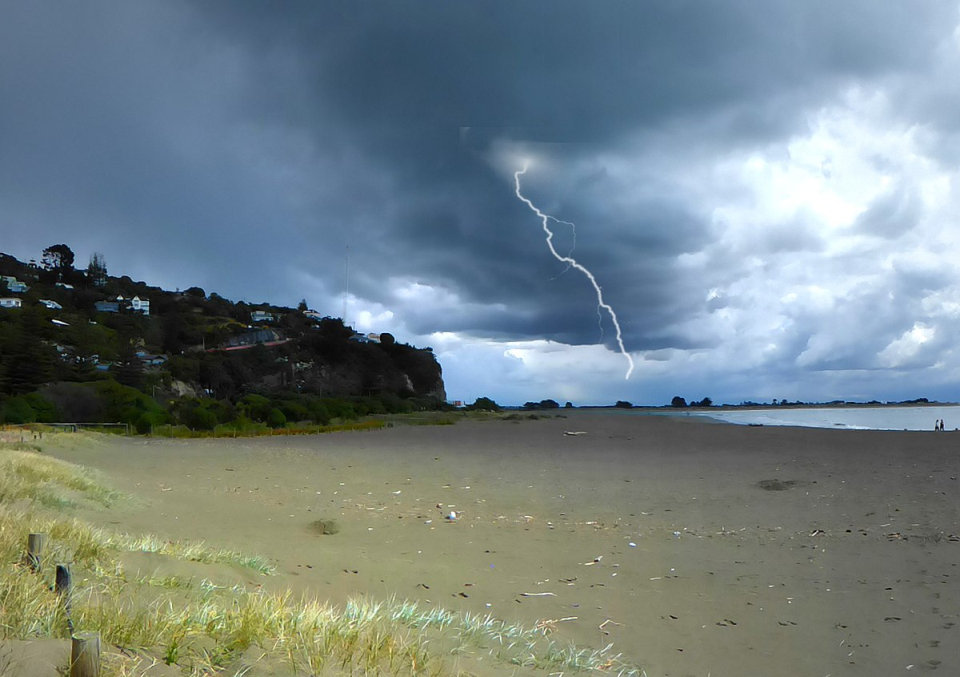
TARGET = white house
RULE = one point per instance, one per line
(10, 303)
(52, 305)
(15, 285)
(261, 316)
(139, 305)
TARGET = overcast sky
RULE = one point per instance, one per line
(766, 192)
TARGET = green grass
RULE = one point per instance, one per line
(28, 475)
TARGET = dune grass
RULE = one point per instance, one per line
(204, 629)
(26, 474)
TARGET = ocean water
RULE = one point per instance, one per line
(852, 418)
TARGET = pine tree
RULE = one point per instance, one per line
(30, 362)
(97, 270)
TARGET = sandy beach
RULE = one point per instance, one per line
(696, 548)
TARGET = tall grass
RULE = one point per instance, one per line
(48, 481)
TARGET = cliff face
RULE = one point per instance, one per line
(372, 369)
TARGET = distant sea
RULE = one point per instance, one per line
(850, 418)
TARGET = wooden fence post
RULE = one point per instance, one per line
(64, 582)
(64, 590)
(85, 655)
(35, 546)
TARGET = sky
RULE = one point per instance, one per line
(765, 193)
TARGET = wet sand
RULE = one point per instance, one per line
(696, 548)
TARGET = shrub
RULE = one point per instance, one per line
(18, 410)
(45, 410)
(483, 404)
(200, 418)
(256, 407)
(276, 419)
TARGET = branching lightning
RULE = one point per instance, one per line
(572, 263)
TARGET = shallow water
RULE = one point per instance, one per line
(854, 418)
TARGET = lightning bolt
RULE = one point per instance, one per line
(572, 263)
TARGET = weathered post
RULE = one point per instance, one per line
(64, 582)
(64, 590)
(35, 545)
(85, 655)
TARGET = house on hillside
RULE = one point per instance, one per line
(10, 303)
(252, 338)
(107, 306)
(312, 315)
(14, 285)
(149, 360)
(52, 305)
(261, 316)
(139, 305)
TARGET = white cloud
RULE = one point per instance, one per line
(907, 347)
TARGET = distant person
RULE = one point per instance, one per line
(942, 428)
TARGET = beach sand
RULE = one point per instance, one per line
(696, 548)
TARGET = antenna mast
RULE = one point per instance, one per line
(346, 283)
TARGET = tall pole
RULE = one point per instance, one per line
(346, 283)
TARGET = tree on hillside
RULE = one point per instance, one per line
(97, 270)
(29, 360)
(128, 369)
(58, 257)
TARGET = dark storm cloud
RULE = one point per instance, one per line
(230, 145)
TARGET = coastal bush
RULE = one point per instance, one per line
(318, 411)
(17, 410)
(338, 408)
(255, 407)
(294, 409)
(148, 420)
(276, 419)
(29, 408)
(123, 404)
(542, 404)
(200, 418)
(483, 404)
